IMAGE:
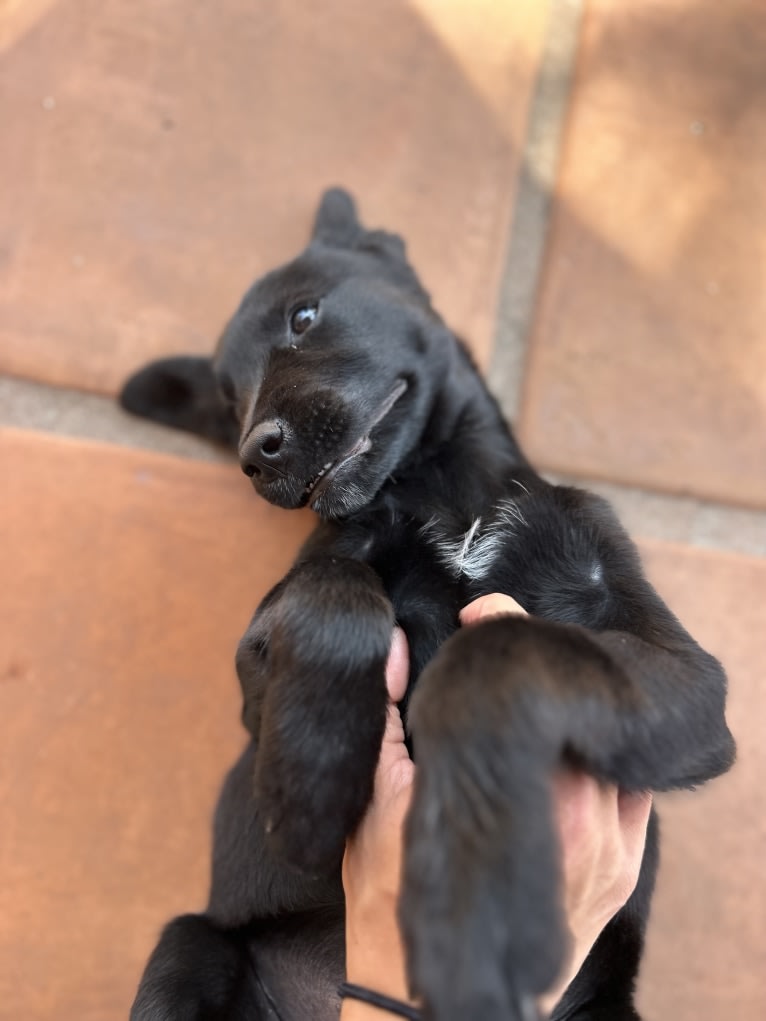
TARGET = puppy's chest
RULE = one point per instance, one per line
(433, 565)
(477, 557)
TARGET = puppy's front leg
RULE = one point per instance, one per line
(312, 668)
(481, 910)
(499, 708)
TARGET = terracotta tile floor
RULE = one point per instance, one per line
(155, 158)
(652, 303)
(707, 938)
(125, 598)
(128, 581)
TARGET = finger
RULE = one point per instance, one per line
(395, 767)
(398, 666)
(493, 605)
(633, 812)
(394, 732)
(579, 801)
(634, 808)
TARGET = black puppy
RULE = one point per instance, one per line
(344, 390)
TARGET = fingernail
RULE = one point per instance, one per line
(397, 667)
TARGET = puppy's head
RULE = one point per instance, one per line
(325, 376)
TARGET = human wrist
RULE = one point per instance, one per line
(375, 959)
(355, 1010)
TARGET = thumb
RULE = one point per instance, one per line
(493, 605)
(398, 666)
(395, 768)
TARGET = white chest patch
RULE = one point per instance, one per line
(473, 554)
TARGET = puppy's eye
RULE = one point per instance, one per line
(303, 317)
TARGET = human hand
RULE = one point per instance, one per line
(372, 862)
(602, 831)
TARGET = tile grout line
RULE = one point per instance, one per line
(64, 411)
(535, 189)
(29, 405)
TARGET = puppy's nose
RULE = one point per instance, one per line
(261, 453)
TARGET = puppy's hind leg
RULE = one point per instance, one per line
(266, 925)
(198, 972)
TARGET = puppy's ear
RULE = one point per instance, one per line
(384, 243)
(391, 251)
(336, 223)
(182, 392)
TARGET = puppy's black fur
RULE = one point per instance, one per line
(344, 390)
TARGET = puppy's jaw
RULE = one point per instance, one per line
(340, 488)
(325, 479)
(329, 473)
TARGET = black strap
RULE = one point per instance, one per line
(349, 991)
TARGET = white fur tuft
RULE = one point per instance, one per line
(473, 554)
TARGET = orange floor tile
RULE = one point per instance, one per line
(707, 935)
(128, 578)
(158, 157)
(648, 361)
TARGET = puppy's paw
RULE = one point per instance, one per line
(309, 814)
(479, 904)
(195, 972)
(318, 651)
(316, 764)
